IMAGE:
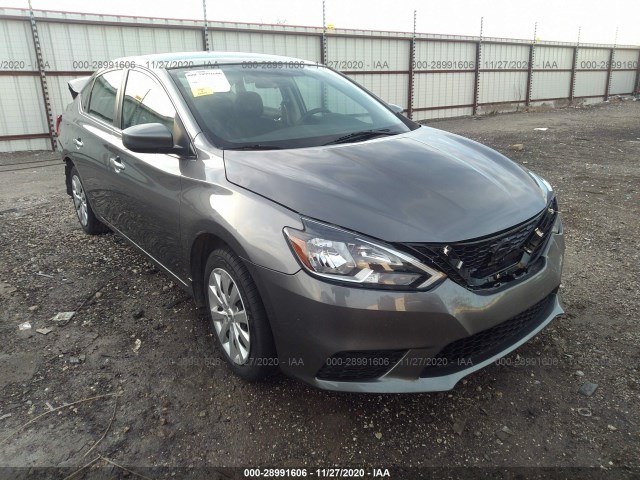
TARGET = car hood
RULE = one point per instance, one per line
(423, 186)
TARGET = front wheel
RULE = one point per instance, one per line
(238, 319)
(88, 221)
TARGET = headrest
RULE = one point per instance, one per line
(249, 104)
(218, 104)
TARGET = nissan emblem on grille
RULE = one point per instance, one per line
(500, 251)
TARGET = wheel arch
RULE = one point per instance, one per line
(68, 166)
(204, 242)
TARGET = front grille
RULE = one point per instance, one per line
(472, 350)
(364, 365)
(492, 261)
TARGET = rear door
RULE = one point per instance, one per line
(92, 132)
(144, 188)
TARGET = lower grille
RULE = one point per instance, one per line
(364, 365)
(469, 351)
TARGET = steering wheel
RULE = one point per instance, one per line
(313, 112)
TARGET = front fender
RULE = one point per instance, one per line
(251, 225)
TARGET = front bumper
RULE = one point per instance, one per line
(312, 321)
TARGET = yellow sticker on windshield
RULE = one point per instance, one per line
(207, 82)
(198, 92)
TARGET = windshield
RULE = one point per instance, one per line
(256, 106)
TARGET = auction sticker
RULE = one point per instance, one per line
(207, 82)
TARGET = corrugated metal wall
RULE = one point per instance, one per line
(97, 43)
(449, 75)
(21, 101)
(591, 72)
(290, 45)
(552, 68)
(444, 76)
(625, 71)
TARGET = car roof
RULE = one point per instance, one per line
(160, 61)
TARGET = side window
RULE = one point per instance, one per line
(102, 103)
(145, 102)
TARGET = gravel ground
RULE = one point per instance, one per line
(139, 340)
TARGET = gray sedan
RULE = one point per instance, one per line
(325, 234)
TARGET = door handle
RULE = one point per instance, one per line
(117, 164)
(78, 143)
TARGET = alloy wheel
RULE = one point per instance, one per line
(229, 316)
(79, 200)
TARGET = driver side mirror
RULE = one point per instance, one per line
(397, 109)
(149, 138)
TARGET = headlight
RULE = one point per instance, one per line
(343, 256)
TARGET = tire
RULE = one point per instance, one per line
(237, 318)
(88, 220)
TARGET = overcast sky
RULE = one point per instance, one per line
(557, 19)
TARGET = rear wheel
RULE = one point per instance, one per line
(238, 319)
(88, 221)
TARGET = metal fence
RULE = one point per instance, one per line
(430, 76)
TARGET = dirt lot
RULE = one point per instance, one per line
(171, 402)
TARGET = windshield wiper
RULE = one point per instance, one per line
(362, 135)
(257, 146)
